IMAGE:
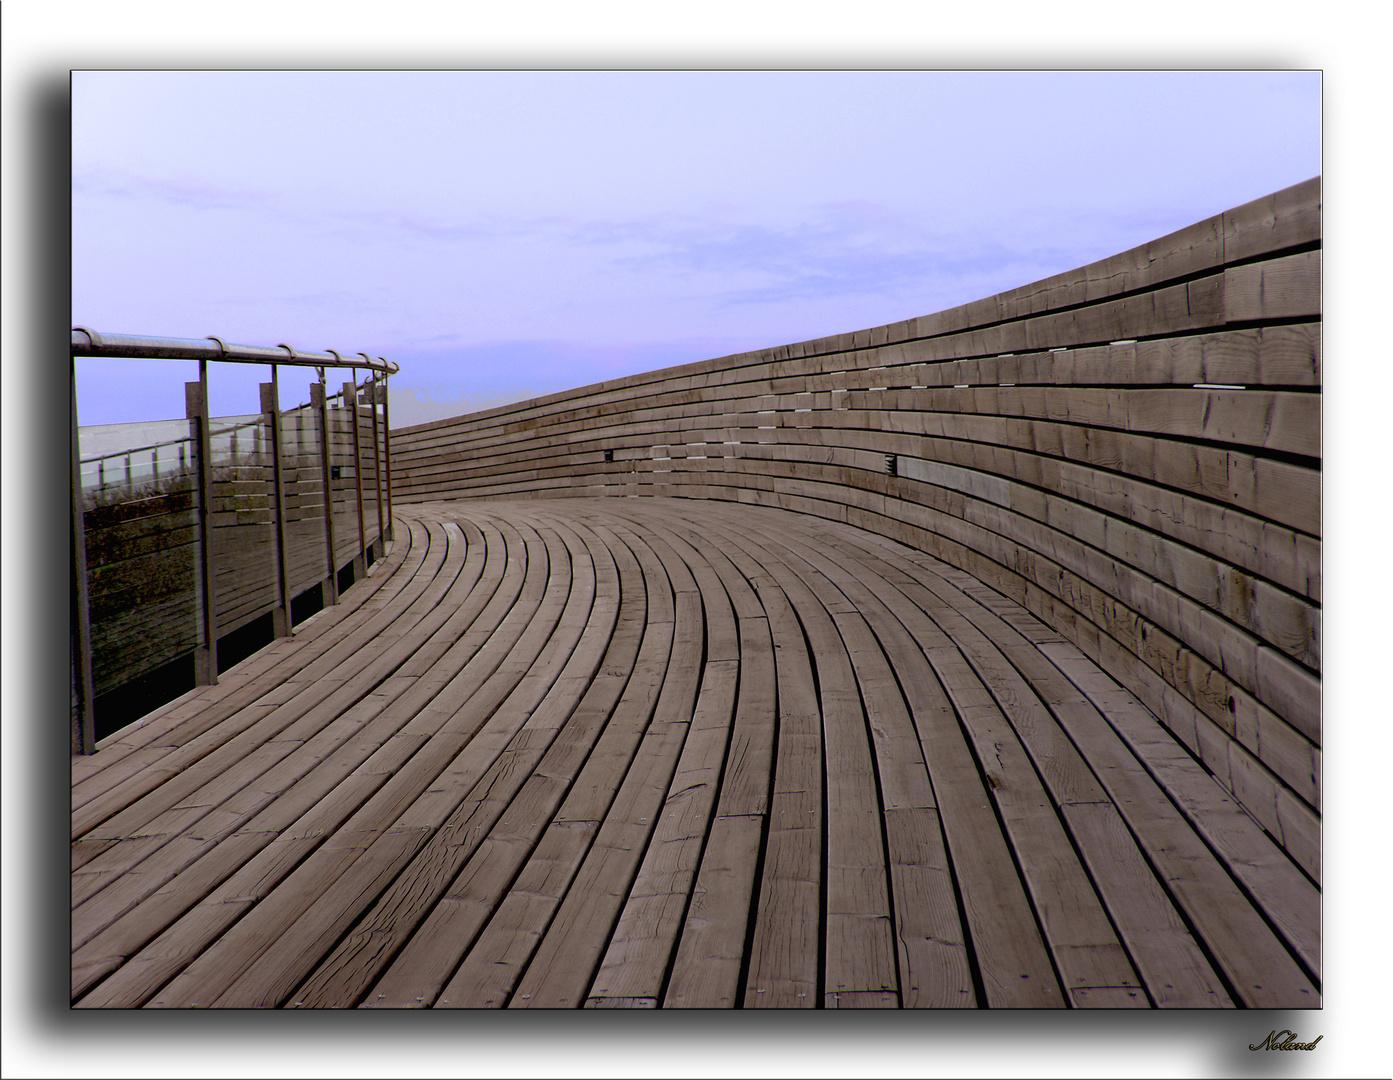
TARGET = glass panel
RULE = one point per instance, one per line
(243, 503)
(343, 480)
(386, 463)
(369, 471)
(140, 500)
(124, 459)
(304, 499)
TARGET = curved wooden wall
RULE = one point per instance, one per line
(1131, 450)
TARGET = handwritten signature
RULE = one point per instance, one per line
(1285, 1040)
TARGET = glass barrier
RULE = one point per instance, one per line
(343, 479)
(371, 463)
(303, 471)
(242, 520)
(124, 458)
(140, 522)
(152, 516)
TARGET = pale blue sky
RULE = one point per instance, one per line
(506, 232)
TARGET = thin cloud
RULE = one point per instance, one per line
(851, 248)
(720, 260)
(838, 250)
(393, 226)
(186, 191)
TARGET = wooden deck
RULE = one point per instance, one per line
(667, 752)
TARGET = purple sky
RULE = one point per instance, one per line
(506, 233)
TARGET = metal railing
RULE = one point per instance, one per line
(248, 515)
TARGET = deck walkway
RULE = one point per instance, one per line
(638, 752)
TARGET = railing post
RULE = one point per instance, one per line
(350, 399)
(196, 406)
(319, 400)
(84, 727)
(387, 454)
(374, 388)
(271, 408)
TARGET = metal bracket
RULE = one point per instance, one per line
(92, 336)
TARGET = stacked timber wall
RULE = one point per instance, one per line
(1131, 450)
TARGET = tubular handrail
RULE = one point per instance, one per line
(136, 450)
(87, 342)
(127, 452)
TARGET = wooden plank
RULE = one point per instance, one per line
(933, 962)
(489, 973)
(143, 817)
(1283, 288)
(1027, 434)
(1171, 963)
(710, 954)
(934, 968)
(1291, 901)
(784, 958)
(1227, 494)
(197, 874)
(1286, 218)
(710, 951)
